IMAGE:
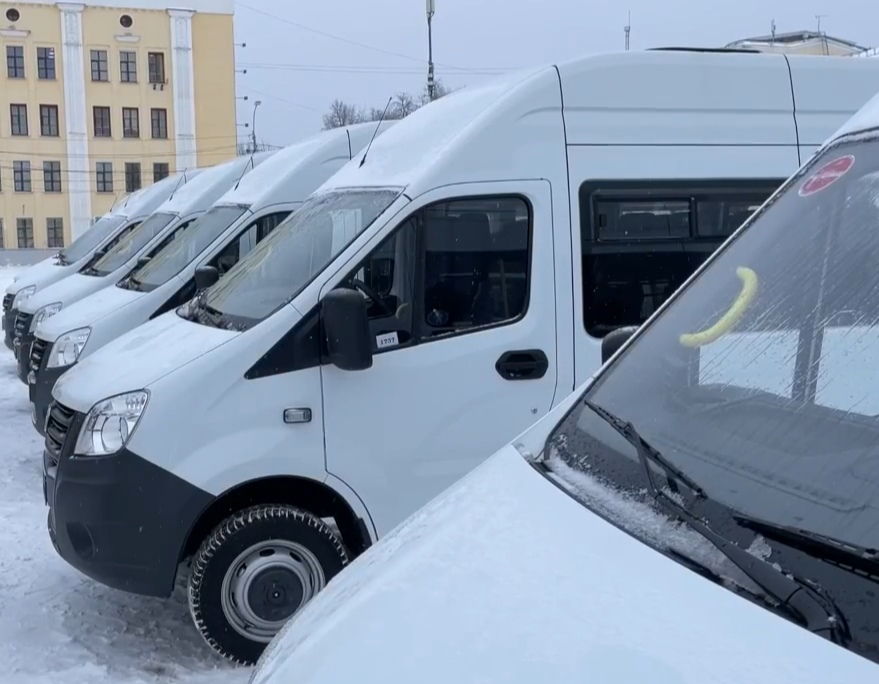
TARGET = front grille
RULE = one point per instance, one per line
(22, 324)
(7, 302)
(57, 428)
(38, 351)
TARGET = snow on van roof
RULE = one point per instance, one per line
(866, 118)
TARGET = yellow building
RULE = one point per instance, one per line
(100, 98)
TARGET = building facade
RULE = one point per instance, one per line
(800, 43)
(101, 98)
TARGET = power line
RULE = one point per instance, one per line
(353, 69)
(48, 156)
(281, 99)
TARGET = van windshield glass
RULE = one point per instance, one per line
(297, 250)
(132, 243)
(90, 239)
(194, 240)
(761, 379)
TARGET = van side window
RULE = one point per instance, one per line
(641, 241)
(451, 268)
(247, 239)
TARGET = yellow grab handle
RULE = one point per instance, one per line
(732, 316)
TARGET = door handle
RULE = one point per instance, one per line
(523, 364)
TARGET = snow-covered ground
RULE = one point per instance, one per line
(56, 626)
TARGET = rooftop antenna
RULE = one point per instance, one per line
(772, 31)
(244, 170)
(180, 181)
(375, 132)
(627, 29)
(818, 18)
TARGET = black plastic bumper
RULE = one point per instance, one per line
(40, 392)
(23, 356)
(8, 324)
(119, 519)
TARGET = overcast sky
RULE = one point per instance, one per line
(300, 56)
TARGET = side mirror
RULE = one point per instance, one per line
(346, 326)
(614, 340)
(205, 276)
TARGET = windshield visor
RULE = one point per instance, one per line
(761, 378)
(132, 243)
(86, 243)
(285, 262)
(174, 257)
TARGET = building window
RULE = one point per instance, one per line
(52, 176)
(132, 177)
(103, 126)
(21, 176)
(18, 117)
(161, 170)
(24, 227)
(130, 122)
(46, 63)
(156, 67)
(104, 176)
(15, 61)
(100, 65)
(159, 119)
(49, 120)
(2, 237)
(54, 233)
(128, 66)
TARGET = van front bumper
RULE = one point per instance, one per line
(8, 325)
(119, 519)
(40, 383)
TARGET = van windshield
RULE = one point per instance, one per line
(178, 254)
(285, 262)
(90, 239)
(760, 380)
(131, 244)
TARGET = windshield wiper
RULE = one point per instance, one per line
(822, 547)
(800, 598)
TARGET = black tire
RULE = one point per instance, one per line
(314, 549)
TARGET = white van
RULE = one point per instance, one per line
(215, 242)
(103, 235)
(422, 308)
(167, 222)
(565, 558)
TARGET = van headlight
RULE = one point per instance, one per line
(108, 426)
(43, 313)
(67, 348)
(23, 295)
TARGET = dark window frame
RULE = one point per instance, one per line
(22, 178)
(128, 66)
(133, 183)
(104, 177)
(15, 65)
(51, 176)
(159, 123)
(156, 67)
(105, 129)
(18, 120)
(99, 60)
(24, 228)
(50, 121)
(128, 131)
(46, 63)
(165, 168)
(56, 240)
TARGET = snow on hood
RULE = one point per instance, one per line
(40, 274)
(137, 359)
(505, 578)
(67, 291)
(86, 312)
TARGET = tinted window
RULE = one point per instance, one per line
(132, 244)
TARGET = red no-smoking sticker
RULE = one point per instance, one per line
(827, 175)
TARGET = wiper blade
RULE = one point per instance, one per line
(801, 599)
(822, 547)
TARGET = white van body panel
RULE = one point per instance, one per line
(524, 584)
(280, 183)
(187, 203)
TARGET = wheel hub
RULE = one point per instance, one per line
(275, 594)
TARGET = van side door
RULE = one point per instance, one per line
(461, 296)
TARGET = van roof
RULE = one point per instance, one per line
(866, 119)
(212, 183)
(146, 200)
(494, 130)
(289, 175)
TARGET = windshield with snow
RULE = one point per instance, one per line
(175, 256)
(90, 239)
(760, 381)
(297, 250)
(131, 244)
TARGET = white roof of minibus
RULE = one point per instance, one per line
(211, 184)
(148, 199)
(867, 118)
(287, 176)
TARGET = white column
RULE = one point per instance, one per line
(78, 166)
(183, 88)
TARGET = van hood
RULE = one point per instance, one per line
(504, 578)
(137, 359)
(40, 274)
(66, 291)
(86, 312)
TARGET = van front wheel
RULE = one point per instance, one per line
(256, 570)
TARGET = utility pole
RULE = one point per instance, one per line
(627, 29)
(253, 126)
(431, 85)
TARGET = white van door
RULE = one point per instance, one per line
(461, 297)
